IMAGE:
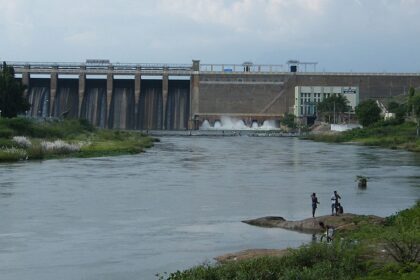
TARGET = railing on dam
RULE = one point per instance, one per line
(241, 68)
(281, 69)
(100, 68)
(73, 68)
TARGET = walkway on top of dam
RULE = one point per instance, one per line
(152, 69)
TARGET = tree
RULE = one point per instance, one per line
(411, 92)
(414, 107)
(12, 101)
(289, 120)
(368, 112)
(398, 109)
(332, 106)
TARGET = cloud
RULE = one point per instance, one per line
(245, 16)
(232, 31)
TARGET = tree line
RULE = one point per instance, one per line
(368, 111)
(12, 101)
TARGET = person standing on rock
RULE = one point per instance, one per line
(314, 204)
(334, 203)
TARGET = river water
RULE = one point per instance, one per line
(181, 203)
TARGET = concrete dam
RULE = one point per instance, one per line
(182, 96)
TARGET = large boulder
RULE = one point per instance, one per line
(311, 225)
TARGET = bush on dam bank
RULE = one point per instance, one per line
(387, 134)
(27, 139)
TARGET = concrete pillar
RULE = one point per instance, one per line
(109, 90)
(165, 87)
(137, 92)
(53, 88)
(26, 79)
(194, 94)
(82, 88)
(196, 65)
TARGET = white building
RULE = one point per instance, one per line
(306, 97)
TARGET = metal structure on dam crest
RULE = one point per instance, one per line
(182, 96)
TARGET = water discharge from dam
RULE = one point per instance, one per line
(38, 97)
(94, 103)
(150, 113)
(151, 105)
(177, 111)
(123, 113)
(229, 123)
(122, 106)
(67, 100)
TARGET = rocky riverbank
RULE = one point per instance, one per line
(311, 225)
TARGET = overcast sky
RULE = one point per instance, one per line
(342, 35)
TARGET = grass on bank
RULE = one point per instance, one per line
(374, 252)
(388, 134)
(22, 139)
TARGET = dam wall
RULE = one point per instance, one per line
(180, 97)
(274, 94)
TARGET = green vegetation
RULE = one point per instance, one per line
(22, 138)
(316, 261)
(332, 106)
(368, 112)
(289, 121)
(414, 107)
(388, 134)
(400, 110)
(368, 251)
(11, 94)
(402, 132)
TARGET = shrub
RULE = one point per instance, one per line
(403, 235)
(22, 141)
(6, 143)
(315, 261)
(12, 154)
(36, 152)
(368, 112)
(59, 146)
(5, 132)
(21, 126)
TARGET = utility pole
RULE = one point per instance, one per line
(349, 117)
(334, 113)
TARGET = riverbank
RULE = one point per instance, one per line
(27, 139)
(311, 225)
(387, 134)
(386, 249)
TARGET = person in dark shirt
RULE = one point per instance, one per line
(315, 202)
(335, 203)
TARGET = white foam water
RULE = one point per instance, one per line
(228, 123)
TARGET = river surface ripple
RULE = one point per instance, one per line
(180, 203)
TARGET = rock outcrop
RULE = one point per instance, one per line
(311, 225)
